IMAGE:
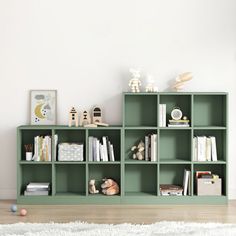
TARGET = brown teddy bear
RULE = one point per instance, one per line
(110, 187)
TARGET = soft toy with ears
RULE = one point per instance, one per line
(110, 187)
(92, 187)
(138, 151)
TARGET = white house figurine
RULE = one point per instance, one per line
(85, 119)
(96, 115)
(73, 117)
(135, 82)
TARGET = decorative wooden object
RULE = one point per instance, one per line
(96, 115)
(85, 119)
(73, 117)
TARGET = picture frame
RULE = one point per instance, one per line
(43, 107)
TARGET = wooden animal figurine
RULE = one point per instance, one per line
(96, 115)
(151, 88)
(110, 187)
(135, 82)
(73, 117)
(85, 119)
(181, 80)
(92, 187)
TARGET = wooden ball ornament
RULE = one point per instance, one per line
(23, 212)
(13, 208)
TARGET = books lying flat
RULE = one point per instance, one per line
(36, 193)
(171, 190)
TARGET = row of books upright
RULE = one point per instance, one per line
(100, 150)
(42, 148)
(151, 147)
(204, 148)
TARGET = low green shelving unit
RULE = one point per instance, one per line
(139, 180)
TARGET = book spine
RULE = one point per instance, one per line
(160, 115)
(213, 148)
(164, 115)
(105, 156)
(146, 148)
(153, 147)
(208, 149)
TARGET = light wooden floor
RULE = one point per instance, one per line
(121, 213)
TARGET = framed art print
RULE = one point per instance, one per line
(43, 107)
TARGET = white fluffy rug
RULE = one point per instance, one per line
(82, 229)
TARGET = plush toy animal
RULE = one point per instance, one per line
(110, 187)
(138, 151)
(92, 187)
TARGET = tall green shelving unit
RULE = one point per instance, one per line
(139, 180)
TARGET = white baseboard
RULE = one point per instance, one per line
(8, 194)
(232, 193)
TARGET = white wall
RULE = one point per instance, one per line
(84, 49)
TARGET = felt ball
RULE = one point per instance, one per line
(13, 208)
(23, 212)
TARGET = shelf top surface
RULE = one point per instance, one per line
(177, 93)
(65, 127)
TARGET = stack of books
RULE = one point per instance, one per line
(171, 190)
(37, 189)
(42, 148)
(101, 150)
(204, 148)
(178, 123)
(151, 147)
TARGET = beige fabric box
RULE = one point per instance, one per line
(209, 187)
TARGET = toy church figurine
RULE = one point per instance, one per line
(181, 80)
(151, 88)
(73, 117)
(85, 119)
(135, 82)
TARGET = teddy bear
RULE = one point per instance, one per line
(92, 187)
(110, 187)
(138, 151)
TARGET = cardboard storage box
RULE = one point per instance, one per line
(70, 152)
(209, 187)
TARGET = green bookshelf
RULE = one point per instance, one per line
(139, 180)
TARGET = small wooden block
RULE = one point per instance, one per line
(101, 124)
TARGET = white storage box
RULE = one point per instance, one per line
(70, 152)
(209, 187)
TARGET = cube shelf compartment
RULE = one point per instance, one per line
(100, 171)
(139, 181)
(175, 145)
(70, 179)
(140, 110)
(132, 138)
(210, 110)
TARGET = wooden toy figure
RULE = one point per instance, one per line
(151, 87)
(73, 117)
(135, 82)
(96, 115)
(85, 119)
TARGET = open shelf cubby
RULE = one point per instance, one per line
(140, 110)
(175, 145)
(220, 136)
(177, 101)
(113, 135)
(218, 169)
(132, 138)
(139, 180)
(72, 136)
(34, 173)
(27, 137)
(173, 173)
(210, 110)
(70, 179)
(100, 172)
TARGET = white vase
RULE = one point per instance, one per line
(28, 156)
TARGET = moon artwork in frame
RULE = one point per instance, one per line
(43, 107)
